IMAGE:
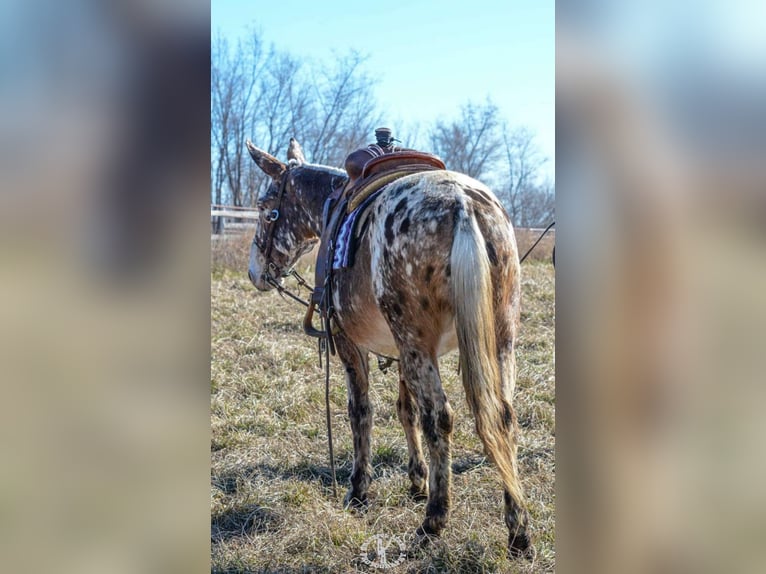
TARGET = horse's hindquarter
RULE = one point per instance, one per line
(401, 277)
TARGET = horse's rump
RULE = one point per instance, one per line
(403, 265)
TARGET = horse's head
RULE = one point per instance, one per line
(290, 213)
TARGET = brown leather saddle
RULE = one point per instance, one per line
(376, 174)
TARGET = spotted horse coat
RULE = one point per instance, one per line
(436, 270)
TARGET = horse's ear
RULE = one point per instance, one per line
(267, 162)
(294, 151)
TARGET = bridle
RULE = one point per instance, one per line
(271, 219)
(272, 275)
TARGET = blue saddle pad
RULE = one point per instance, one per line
(345, 244)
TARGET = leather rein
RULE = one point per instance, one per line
(272, 275)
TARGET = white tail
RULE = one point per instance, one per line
(475, 326)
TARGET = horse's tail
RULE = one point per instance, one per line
(475, 326)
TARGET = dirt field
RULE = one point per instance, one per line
(271, 497)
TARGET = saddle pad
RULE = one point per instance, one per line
(345, 244)
(365, 188)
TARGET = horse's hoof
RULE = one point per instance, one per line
(418, 494)
(353, 502)
(423, 537)
(519, 546)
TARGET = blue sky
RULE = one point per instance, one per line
(430, 56)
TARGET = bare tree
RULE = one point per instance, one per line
(528, 202)
(472, 144)
(271, 96)
(537, 205)
(281, 111)
(220, 108)
(234, 94)
(345, 112)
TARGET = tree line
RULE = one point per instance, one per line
(269, 96)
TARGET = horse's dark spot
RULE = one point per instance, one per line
(401, 205)
(436, 516)
(479, 197)
(417, 468)
(429, 272)
(404, 227)
(357, 411)
(445, 421)
(448, 270)
(402, 187)
(413, 355)
(424, 303)
(429, 427)
(397, 309)
(400, 297)
(386, 255)
(508, 417)
(491, 253)
(419, 332)
(390, 228)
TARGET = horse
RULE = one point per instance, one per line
(436, 269)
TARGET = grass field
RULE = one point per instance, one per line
(271, 496)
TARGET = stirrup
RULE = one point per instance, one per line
(308, 323)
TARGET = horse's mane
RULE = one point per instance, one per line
(320, 186)
(334, 171)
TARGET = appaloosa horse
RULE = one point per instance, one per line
(437, 269)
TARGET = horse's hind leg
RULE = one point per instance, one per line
(516, 515)
(421, 376)
(356, 364)
(407, 407)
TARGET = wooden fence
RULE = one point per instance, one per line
(241, 220)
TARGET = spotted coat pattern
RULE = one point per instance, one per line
(437, 270)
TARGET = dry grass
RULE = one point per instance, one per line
(271, 497)
(525, 238)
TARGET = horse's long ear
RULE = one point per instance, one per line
(294, 151)
(267, 162)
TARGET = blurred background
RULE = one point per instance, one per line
(104, 217)
(660, 286)
(104, 179)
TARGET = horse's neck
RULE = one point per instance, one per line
(315, 209)
(314, 201)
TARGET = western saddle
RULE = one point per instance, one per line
(375, 174)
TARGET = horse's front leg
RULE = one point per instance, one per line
(356, 363)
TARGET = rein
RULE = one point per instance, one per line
(282, 291)
(271, 276)
(547, 229)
